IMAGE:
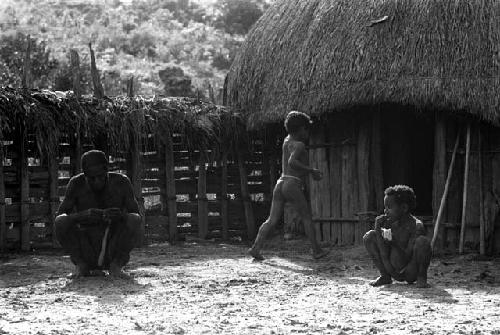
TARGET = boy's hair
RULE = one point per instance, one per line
(294, 120)
(403, 195)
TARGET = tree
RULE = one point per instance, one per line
(238, 16)
(12, 54)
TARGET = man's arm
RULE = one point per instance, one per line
(66, 208)
(130, 202)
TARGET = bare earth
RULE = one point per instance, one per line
(209, 288)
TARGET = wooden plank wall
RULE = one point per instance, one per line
(343, 155)
(44, 197)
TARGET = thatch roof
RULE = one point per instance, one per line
(324, 55)
(52, 115)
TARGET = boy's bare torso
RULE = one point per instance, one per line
(297, 148)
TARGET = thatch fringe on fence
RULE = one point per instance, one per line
(49, 115)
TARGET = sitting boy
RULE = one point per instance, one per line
(397, 245)
(291, 186)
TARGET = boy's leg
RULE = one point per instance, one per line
(277, 206)
(297, 199)
(419, 264)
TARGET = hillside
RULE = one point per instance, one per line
(151, 40)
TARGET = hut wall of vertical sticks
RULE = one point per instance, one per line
(394, 86)
(180, 154)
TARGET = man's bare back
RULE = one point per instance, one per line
(295, 150)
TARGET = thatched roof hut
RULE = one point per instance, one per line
(323, 55)
(394, 83)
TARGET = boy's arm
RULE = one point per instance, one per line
(298, 151)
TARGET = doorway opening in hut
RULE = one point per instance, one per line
(408, 153)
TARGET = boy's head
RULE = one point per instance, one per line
(399, 200)
(297, 123)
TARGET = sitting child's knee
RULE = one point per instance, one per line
(422, 243)
(134, 222)
(369, 237)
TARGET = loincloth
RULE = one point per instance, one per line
(297, 180)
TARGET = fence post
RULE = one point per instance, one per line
(96, 80)
(23, 158)
(53, 194)
(135, 172)
(3, 228)
(170, 185)
(202, 197)
(245, 195)
(224, 199)
(76, 138)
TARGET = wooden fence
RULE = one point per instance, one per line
(179, 191)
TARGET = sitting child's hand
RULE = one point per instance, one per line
(387, 234)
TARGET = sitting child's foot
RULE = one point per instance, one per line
(321, 254)
(382, 280)
(255, 254)
(81, 270)
(116, 271)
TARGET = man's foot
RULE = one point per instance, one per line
(116, 271)
(81, 270)
(320, 254)
(382, 280)
(422, 283)
(97, 273)
(255, 254)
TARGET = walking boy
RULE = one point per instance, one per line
(291, 186)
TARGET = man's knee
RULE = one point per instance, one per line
(134, 222)
(62, 224)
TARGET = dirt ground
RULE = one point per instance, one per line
(213, 288)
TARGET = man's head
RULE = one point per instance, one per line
(297, 124)
(399, 200)
(95, 169)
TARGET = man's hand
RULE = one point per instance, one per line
(316, 174)
(94, 214)
(113, 214)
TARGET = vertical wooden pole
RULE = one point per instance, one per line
(202, 198)
(245, 195)
(53, 167)
(376, 162)
(136, 167)
(75, 70)
(76, 141)
(224, 199)
(25, 189)
(23, 159)
(170, 186)
(3, 227)
(445, 192)
(465, 191)
(439, 170)
(482, 248)
(26, 77)
(96, 80)
(363, 161)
